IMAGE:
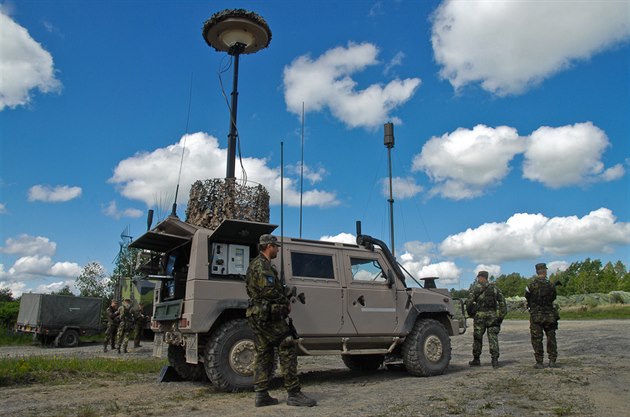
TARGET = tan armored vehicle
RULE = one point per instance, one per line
(351, 300)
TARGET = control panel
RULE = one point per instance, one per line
(229, 259)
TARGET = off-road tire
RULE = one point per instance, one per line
(229, 357)
(69, 338)
(427, 349)
(363, 363)
(187, 371)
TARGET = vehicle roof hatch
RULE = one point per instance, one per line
(166, 236)
(241, 231)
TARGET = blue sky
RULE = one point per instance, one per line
(511, 123)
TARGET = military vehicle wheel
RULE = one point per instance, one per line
(230, 356)
(188, 371)
(363, 362)
(427, 349)
(69, 338)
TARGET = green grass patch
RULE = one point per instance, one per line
(10, 338)
(39, 369)
(602, 312)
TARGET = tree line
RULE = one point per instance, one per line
(586, 277)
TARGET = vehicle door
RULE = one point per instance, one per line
(314, 271)
(371, 303)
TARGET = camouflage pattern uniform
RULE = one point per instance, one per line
(268, 308)
(139, 318)
(124, 328)
(112, 326)
(488, 308)
(543, 317)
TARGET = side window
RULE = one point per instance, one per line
(312, 265)
(367, 270)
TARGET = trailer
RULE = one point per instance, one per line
(60, 319)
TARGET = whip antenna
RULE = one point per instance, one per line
(302, 170)
(181, 161)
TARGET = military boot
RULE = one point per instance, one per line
(552, 363)
(263, 399)
(475, 361)
(118, 349)
(105, 347)
(539, 365)
(495, 363)
(298, 399)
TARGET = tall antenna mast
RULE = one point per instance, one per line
(302, 170)
(389, 143)
(181, 161)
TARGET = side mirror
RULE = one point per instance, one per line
(390, 279)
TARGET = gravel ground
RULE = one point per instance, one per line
(593, 380)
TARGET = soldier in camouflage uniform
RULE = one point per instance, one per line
(269, 306)
(112, 325)
(543, 316)
(125, 326)
(139, 318)
(487, 306)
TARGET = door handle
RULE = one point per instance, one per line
(361, 300)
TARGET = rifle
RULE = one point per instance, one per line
(293, 330)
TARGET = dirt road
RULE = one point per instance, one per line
(593, 380)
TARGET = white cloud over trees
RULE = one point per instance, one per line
(510, 46)
(152, 176)
(528, 236)
(326, 83)
(25, 65)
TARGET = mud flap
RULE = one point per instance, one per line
(158, 345)
(192, 354)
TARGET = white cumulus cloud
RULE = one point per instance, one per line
(465, 162)
(326, 82)
(528, 236)
(341, 238)
(151, 177)
(509, 46)
(29, 245)
(112, 210)
(24, 65)
(58, 194)
(402, 188)
(568, 155)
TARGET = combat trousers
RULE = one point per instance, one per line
(122, 339)
(268, 336)
(480, 327)
(536, 329)
(110, 334)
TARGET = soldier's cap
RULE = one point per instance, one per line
(541, 266)
(482, 274)
(268, 240)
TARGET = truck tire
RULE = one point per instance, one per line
(69, 338)
(363, 362)
(427, 349)
(230, 354)
(187, 371)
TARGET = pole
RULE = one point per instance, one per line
(302, 171)
(231, 161)
(389, 143)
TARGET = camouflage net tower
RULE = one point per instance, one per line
(212, 201)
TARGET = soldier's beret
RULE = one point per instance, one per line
(483, 274)
(541, 266)
(268, 240)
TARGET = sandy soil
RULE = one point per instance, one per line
(593, 380)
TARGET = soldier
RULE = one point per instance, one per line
(269, 306)
(487, 307)
(124, 328)
(112, 325)
(540, 295)
(139, 318)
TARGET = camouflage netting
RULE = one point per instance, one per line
(212, 201)
(590, 300)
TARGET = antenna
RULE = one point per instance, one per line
(389, 144)
(302, 170)
(181, 161)
(282, 210)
